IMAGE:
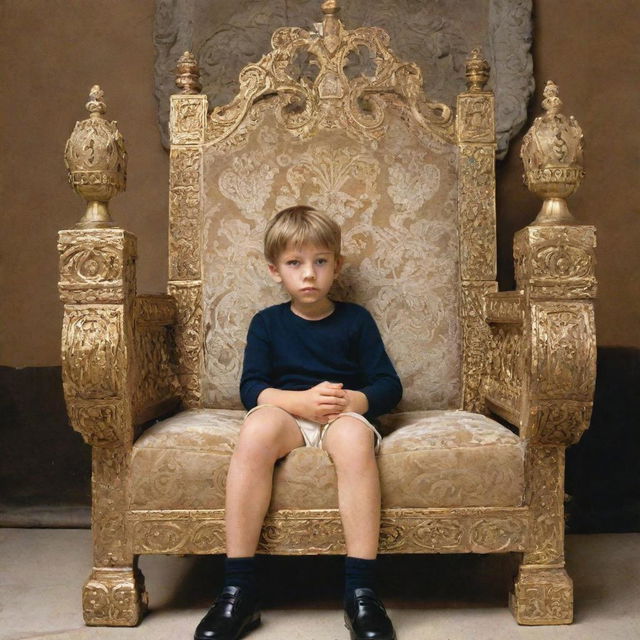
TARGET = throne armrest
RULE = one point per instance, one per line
(117, 348)
(541, 374)
(157, 390)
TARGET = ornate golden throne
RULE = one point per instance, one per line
(151, 382)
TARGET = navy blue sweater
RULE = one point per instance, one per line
(285, 351)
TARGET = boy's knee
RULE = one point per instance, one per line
(349, 437)
(263, 432)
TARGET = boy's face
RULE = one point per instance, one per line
(307, 273)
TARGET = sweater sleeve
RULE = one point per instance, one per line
(383, 388)
(256, 369)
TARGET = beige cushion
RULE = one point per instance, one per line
(430, 459)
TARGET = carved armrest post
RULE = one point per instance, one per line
(554, 267)
(555, 264)
(97, 286)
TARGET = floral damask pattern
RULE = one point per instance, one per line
(432, 459)
(395, 200)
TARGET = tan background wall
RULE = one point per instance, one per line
(52, 51)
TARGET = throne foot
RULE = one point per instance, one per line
(114, 597)
(542, 596)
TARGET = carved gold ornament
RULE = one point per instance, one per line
(96, 161)
(321, 95)
(552, 156)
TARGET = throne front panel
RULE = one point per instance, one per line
(395, 199)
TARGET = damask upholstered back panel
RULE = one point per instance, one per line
(395, 199)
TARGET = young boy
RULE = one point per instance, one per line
(315, 374)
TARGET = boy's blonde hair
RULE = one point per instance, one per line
(298, 226)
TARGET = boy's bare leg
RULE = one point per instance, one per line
(350, 444)
(266, 435)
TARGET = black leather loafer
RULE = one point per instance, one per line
(232, 615)
(366, 617)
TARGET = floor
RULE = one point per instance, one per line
(428, 597)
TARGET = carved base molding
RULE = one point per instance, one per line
(114, 597)
(312, 532)
(542, 596)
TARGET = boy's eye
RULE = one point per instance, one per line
(321, 260)
(292, 263)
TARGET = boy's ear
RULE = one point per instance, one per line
(339, 264)
(274, 273)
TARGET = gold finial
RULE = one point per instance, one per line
(96, 162)
(188, 76)
(477, 71)
(330, 7)
(552, 156)
(96, 105)
(551, 103)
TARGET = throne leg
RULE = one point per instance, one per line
(542, 596)
(543, 592)
(114, 597)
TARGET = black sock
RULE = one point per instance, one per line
(241, 572)
(358, 574)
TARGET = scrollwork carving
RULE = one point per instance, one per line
(303, 532)
(476, 211)
(476, 343)
(184, 213)
(331, 99)
(556, 261)
(100, 423)
(563, 350)
(155, 356)
(189, 337)
(96, 266)
(496, 533)
(109, 485)
(504, 385)
(545, 481)
(438, 534)
(560, 422)
(94, 357)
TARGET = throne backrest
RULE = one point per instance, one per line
(332, 119)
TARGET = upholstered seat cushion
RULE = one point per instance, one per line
(430, 459)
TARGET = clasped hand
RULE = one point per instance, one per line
(323, 402)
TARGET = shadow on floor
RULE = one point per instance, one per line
(404, 581)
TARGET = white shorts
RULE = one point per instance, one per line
(313, 432)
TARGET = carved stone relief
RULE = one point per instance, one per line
(437, 36)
